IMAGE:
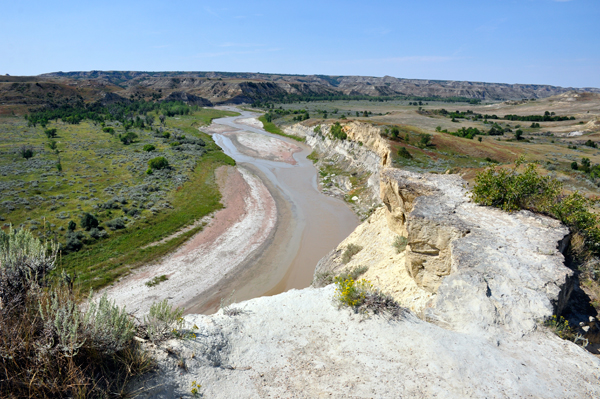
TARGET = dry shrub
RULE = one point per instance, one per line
(49, 347)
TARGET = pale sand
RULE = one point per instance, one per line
(236, 231)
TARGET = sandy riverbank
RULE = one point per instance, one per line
(243, 226)
(274, 228)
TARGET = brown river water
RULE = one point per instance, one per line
(310, 224)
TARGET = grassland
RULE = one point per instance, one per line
(553, 145)
(102, 176)
(273, 128)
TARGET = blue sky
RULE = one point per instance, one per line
(521, 41)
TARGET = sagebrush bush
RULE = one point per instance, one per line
(349, 252)
(161, 320)
(49, 347)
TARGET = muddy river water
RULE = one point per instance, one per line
(268, 238)
(309, 223)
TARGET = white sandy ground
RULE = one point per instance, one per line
(200, 264)
(299, 345)
(253, 122)
(265, 145)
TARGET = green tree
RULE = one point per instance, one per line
(50, 133)
(519, 134)
(158, 163)
(424, 140)
(89, 221)
(26, 151)
(128, 138)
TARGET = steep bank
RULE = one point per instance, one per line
(348, 169)
(482, 280)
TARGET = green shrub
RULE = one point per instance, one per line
(161, 320)
(510, 190)
(403, 152)
(351, 250)
(50, 133)
(88, 221)
(128, 138)
(424, 140)
(156, 280)
(109, 130)
(158, 163)
(149, 147)
(400, 243)
(26, 151)
(338, 132)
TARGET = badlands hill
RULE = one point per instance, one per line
(204, 88)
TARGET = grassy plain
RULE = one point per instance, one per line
(555, 145)
(108, 179)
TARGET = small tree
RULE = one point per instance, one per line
(50, 133)
(128, 138)
(158, 163)
(424, 140)
(519, 134)
(26, 151)
(89, 221)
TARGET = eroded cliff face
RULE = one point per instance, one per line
(465, 266)
(478, 281)
(348, 169)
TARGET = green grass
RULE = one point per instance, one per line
(102, 263)
(97, 167)
(272, 128)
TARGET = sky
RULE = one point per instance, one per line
(554, 42)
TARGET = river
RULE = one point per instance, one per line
(310, 224)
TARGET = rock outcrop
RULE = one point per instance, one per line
(478, 283)
(361, 156)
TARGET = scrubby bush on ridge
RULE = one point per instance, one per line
(512, 190)
(49, 347)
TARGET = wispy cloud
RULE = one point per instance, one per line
(225, 53)
(406, 59)
(242, 45)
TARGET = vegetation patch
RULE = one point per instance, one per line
(514, 189)
(350, 251)
(156, 280)
(49, 346)
(272, 128)
(364, 298)
(400, 243)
